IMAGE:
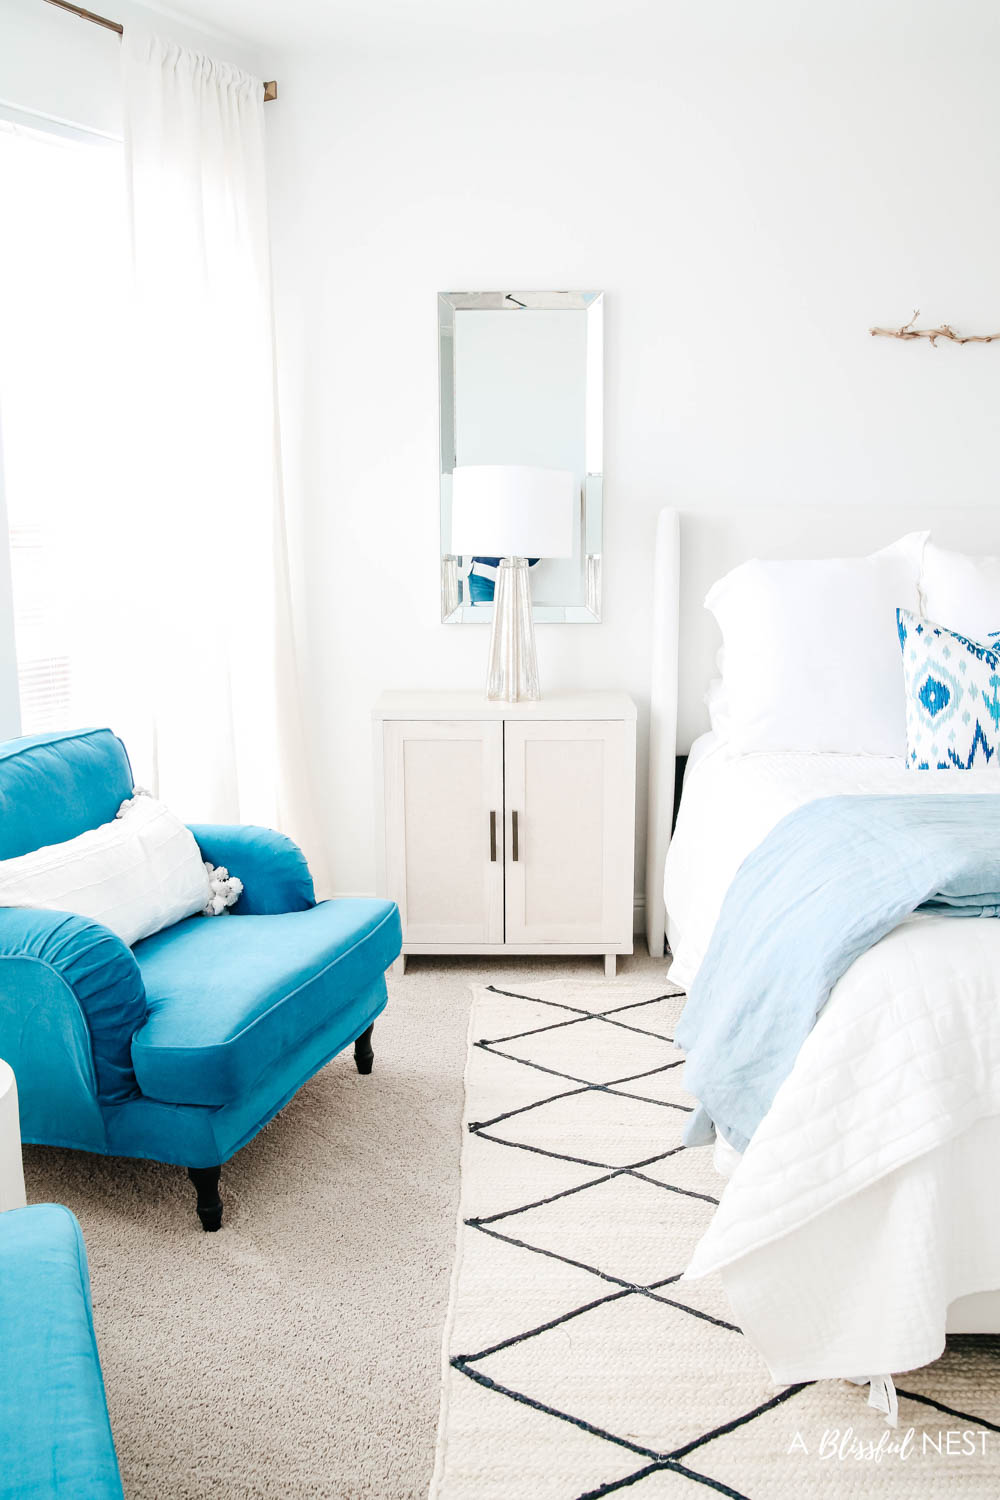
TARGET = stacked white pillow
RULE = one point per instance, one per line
(961, 593)
(137, 874)
(810, 657)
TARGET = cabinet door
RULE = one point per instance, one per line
(570, 789)
(443, 798)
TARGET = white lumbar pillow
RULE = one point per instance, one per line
(139, 873)
(963, 591)
(810, 656)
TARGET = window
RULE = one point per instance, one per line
(62, 359)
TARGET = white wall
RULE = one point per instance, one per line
(752, 185)
(751, 208)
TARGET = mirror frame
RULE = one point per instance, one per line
(453, 612)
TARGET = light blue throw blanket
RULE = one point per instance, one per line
(827, 883)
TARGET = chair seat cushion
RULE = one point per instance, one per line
(228, 995)
(55, 1439)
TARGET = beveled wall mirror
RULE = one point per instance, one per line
(522, 383)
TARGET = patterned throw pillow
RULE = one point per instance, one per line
(952, 697)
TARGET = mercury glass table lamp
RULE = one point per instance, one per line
(513, 512)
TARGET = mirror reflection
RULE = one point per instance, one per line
(522, 387)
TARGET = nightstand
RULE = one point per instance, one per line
(507, 828)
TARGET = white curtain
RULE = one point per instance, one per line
(212, 630)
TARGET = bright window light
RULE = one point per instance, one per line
(63, 269)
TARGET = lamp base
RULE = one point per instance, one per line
(513, 669)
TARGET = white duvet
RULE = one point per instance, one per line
(864, 1205)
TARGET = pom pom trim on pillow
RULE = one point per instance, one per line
(226, 890)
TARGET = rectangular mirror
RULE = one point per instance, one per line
(522, 383)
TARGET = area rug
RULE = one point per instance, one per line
(576, 1363)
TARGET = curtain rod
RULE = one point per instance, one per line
(270, 89)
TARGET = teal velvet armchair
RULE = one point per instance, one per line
(182, 1047)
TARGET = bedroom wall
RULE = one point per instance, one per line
(752, 186)
(751, 201)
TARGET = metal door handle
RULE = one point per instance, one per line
(513, 833)
(493, 837)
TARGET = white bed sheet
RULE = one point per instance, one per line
(732, 801)
(842, 1248)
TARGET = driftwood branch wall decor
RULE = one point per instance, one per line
(944, 332)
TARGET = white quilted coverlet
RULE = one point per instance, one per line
(865, 1202)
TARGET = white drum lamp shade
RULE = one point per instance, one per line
(511, 510)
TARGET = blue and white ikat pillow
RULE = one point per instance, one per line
(952, 697)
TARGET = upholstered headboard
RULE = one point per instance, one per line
(693, 549)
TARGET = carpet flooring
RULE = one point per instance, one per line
(296, 1353)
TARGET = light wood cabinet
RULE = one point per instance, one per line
(507, 828)
(444, 829)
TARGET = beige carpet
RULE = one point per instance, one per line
(296, 1353)
(578, 1364)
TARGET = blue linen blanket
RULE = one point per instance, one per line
(830, 880)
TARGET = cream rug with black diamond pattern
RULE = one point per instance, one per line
(576, 1363)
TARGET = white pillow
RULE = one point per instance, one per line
(136, 874)
(961, 591)
(810, 652)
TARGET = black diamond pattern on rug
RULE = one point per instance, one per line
(601, 1103)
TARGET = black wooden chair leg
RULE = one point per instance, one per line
(206, 1185)
(364, 1054)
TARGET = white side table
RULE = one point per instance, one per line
(507, 828)
(11, 1174)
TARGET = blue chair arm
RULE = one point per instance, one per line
(273, 869)
(98, 970)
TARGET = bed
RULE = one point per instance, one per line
(846, 1244)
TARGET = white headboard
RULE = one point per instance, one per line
(693, 549)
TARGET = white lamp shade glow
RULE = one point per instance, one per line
(512, 510)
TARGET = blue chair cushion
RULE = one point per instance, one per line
(55, 1438)
(228, 995)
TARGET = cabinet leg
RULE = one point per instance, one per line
(398, 969)
(610, 965)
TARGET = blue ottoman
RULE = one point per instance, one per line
(55, 1437)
